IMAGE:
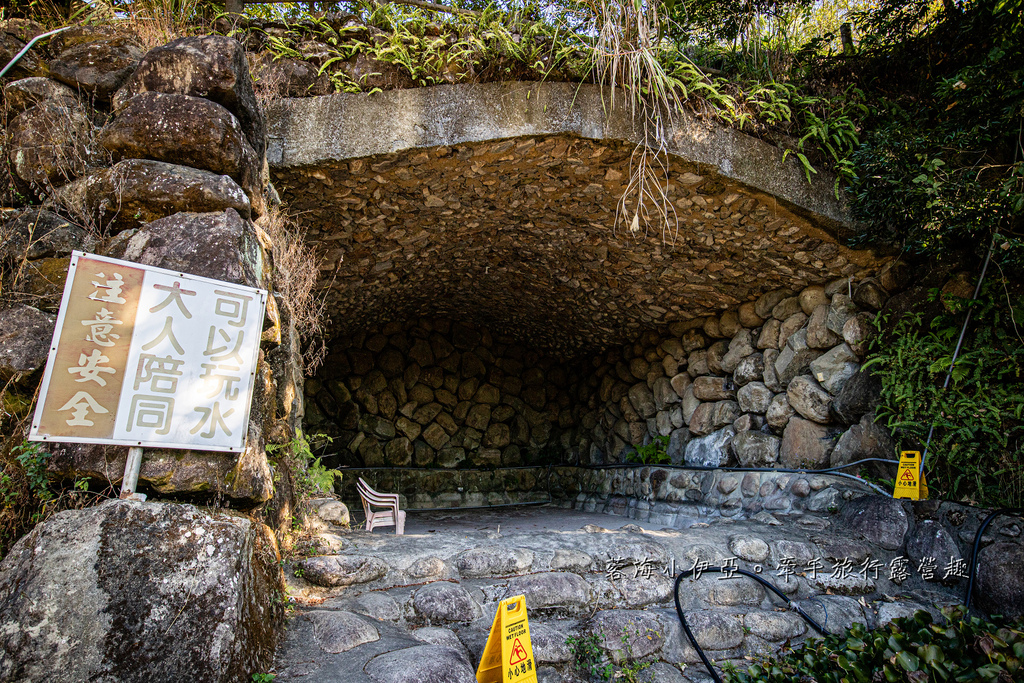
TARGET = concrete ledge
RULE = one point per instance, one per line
(316, 130)
(663, 495)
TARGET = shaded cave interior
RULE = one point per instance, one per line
(484, 312)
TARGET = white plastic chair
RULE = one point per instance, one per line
(390, 516)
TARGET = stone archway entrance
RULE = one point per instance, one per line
(484, 311)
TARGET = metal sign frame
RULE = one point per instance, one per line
(34, 434)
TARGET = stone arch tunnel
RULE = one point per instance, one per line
(483, 309)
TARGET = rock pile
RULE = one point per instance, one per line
(519, 236)
(155, 158)
(615, 585)
(433, 393)
(774, 383)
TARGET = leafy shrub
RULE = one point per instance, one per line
(977, 448)
(908, 650)
(654, 453)
(311, 478)
(33, 460)
(588, 657)
(942, 170)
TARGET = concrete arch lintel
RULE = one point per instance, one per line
(314, 130)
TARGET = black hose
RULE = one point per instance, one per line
(977, 543)
(731, 570)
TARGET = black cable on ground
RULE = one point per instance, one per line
(764, 582)
(977, 542)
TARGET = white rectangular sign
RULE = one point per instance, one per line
(143, 356)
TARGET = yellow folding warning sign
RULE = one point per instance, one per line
(508, 655)
(909, 480)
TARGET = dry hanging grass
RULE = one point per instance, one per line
(625, 60)
(153, 22)
(296, 279)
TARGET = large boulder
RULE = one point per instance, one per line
(740, 347)
(130, 591)
(841, 309)
(99, 68)
(287, 77)
(879, 519)
(808, 398)
(243, 478)
(48, 145)
(35, 233)
(441, 602)
(42, 282)
(25, 334)
(749, 369)
(213, 67)
(754, 397)
(642, 400)
(713, 389)
(421, 664)
(860, 394)
(930, 541)
(818, 335)
(710, 416)
(29, 65)
(806, 444)
(866, 439)
(779, 412)
(137, 191)
(794, 358)
(764, 305)
(343, 570)
(756, 449)
(553, 590)
(833, 369)
(185, 130)
(1000, 581)
(221, 246)
(711, 450)
(28, 92)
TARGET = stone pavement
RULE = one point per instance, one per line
(418, 608)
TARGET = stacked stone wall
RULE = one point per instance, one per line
(442, 394)
(156, 158)
(776, 382)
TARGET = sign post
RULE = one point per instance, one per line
(149, 358)
(131, 475)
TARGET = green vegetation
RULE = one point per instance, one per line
(310, 478)
(590, 660)
(909, 650)
(975, 453)
(654, 453)
(588, 657)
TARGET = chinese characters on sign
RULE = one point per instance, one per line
(898, 570)
(147, 357)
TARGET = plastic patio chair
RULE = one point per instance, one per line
(390, 516)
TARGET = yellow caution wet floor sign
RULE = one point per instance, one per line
(909, 480)
(508, 655)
